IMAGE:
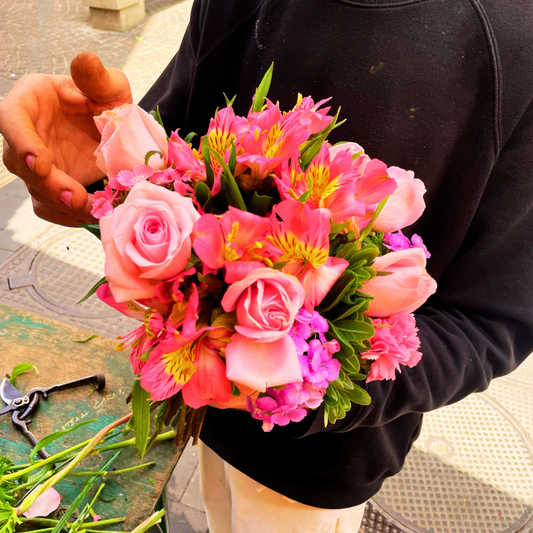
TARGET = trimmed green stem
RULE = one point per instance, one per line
(28, 502)
(110, 472)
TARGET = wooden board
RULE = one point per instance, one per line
(50, 346)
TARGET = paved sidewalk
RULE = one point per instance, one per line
(471, 471)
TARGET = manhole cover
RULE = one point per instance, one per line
(50, 274)
(65, 269)
(471, 471)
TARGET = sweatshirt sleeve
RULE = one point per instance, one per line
(479, 324)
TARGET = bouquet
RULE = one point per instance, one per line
(267, 268)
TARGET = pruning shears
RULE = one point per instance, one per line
(23, 405)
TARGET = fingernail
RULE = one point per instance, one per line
(66, 197)
(30, 160)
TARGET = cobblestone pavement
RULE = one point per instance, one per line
(44, 36)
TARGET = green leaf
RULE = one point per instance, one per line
(260, 205)
(335, 228)
(343, 286)
(85, 341)
(159, 423)
(21, 369)
(150, 154)
(279, 265)
(209, 174)
(234, 192)
(358, 396)
(344, 400)
(355, 330)
(94, 229)
(203, 195)
(350, 364)
(93, 290)
(311, 148)
(332, 393)
(190, 137)
(228, 101)
(361, 305)
(157, 116)
(233, 158)
(141, 416)
(54, 436)
(368, 227)
(262, 90)
(235, 390)
(357, 376)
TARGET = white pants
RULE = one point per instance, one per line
(236, 503)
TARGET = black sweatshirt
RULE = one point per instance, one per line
(442, 87)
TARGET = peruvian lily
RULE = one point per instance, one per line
(329, 183)
(317, 118)
(176, 358)
(299, 236)
(235, 240)
(185, 160)
(273, 138)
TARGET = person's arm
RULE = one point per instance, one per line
(479, 324)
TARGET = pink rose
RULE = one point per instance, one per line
(147, 239)
(405, 205)
(405, 289)
(128, 134)
(262, 354)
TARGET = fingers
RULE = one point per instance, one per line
(17, 127)
(55, 188)
(106, 87)
(61, 215)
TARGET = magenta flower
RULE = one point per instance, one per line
(394, 343)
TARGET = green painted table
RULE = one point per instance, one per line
(50, 346)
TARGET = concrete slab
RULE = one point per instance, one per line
(191, 497)
(184, 519)
(182, 474)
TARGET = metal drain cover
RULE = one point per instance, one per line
(471, 471)
(52, 273)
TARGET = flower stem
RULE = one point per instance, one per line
(131, 442)
(28, 502)
(84, 525)
(110, 472)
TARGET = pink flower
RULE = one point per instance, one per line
(128, 134)
(102, 204)
(147, 239)
(405, 289)
(45, 504)
(406, 203)
(209, 382)
(233, 237)
(262, 354)
(394, 343)
(299, 236)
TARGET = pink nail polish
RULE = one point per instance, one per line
(30, 160)
(66, 197)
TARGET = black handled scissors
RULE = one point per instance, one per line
(23, 405)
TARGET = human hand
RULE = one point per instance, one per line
(50, 136)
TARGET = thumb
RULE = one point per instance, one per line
(107, 87)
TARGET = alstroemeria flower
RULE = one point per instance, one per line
(234, 237)
(174, 360)
(262, 354)
(331, 182)
(299, 236)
